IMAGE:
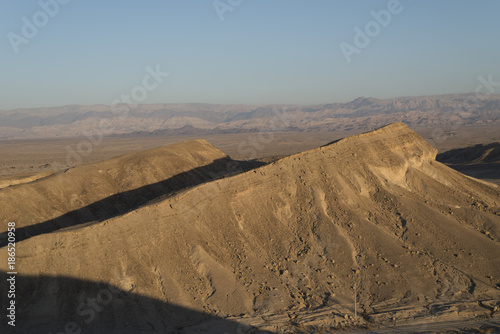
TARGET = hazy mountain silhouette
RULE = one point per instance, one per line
(362, 114)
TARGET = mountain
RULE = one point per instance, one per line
(369, 225)
(362, 114)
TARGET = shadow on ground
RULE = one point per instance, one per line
(65, 305)
(485, 153)
(479, 161)
(128, 201)
(486, 172)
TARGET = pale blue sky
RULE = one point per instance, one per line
(264, 51)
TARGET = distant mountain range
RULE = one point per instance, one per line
(360, 114)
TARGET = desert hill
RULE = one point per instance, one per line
(481, 153)
(93, 192)
(480, 161)
(370, 222)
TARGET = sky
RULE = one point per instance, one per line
(242, 51)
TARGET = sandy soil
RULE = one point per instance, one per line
(366, 232)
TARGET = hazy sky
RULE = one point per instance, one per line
(263, 51)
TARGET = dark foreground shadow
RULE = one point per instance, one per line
(128, 201)
(60, 305)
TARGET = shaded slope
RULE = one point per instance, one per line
(479, 161)
(480, 153)
(373, 215)
(55, 195)
(92, 309)
(127, 201)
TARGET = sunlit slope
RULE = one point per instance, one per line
(50, 197)
(374, 211)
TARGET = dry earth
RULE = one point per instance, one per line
(370, 225)
(104, 189)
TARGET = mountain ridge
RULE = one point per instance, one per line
(363, 114)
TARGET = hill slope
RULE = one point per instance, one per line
(123, 182)
(372, 216)
(476, 154)
(480, 161)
